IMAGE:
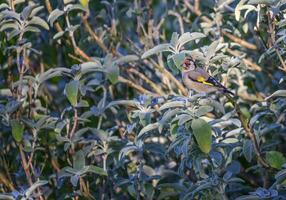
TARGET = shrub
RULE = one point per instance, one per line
(93, 106)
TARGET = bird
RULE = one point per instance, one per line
(197, 79)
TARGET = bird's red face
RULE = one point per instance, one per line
(189, 64)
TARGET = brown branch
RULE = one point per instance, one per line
(135, 86)
(147, 80)
(93, 34)
(239, 41)
(247, 62)
(25, 165)
(271, 39)
(75, 122)
(245, 124)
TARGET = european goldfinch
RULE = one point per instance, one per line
(198, 79)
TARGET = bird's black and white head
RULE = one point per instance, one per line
(189, 64)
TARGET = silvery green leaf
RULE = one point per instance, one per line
(211, 50)
(76, 7)
(112, 73)
(96, 170)
(171, 65)
(179, 59)
(72, 28)
(36, 10)
(79, 160)
(39, 21)
(167, 117)
(174, 39)
(267, 2)
(55, 14)
(122, 102)
(127, 59)
(247, 150)
(149, 127)
(31, 29)
(4, 6)
(130, 147)
(11, 14)
(9, 26)
(278, 93)
(280, 176)
(12, 34)
(187, 37)
(6, 197)
(238, 10)
(74, 180)
(234, 132)
(202, 110)
(25, 14)
(58, 35)
(157, 49)
(91, 67)
(173, 104)
(248, 197)
(34, 187)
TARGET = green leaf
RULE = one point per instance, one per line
(275, 159)
(268, 2)
(77, 7)
(187, 37)
(179, 59)
(27, 11)
(148, 128)
(71, 91)
(96, 170)
(17, 129)
(278, 93)
(58, 35)
(33, 187)
(127, 59)
(40, 22)
(55, 15)
(112, 73)
(248, 150)
(174, 39)
(79, 160)
(157, 49)
(211, 50)
(203, 134)
(6, 197)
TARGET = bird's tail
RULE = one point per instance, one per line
(225, 90)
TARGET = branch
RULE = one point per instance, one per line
(248, 131)
(147, 80)
(94, 36)
(135, 86)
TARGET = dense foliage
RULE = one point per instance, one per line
(92, 104)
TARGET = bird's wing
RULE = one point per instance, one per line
(201, 76)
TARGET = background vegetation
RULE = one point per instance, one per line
(92, 104)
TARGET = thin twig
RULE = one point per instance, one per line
(147, 80)
(135, 86)
(169, 75)
(245, 124)
(248, 63)
(94, 36)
